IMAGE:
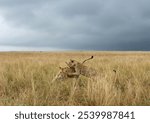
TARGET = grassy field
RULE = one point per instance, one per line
(26, 79)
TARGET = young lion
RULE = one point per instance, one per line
(80, 69)
(64, 74)
(74, 70)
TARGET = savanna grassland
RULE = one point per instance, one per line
(26, 79)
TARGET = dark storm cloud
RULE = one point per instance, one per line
(77, 24)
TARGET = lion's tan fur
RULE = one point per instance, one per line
(74, 69)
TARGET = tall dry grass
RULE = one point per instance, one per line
(25, 79)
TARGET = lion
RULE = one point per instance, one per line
(63, 74)
(80, 68)
(74, 69)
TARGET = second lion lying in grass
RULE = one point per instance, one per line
(74, 69)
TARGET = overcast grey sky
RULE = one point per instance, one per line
(74, 25)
